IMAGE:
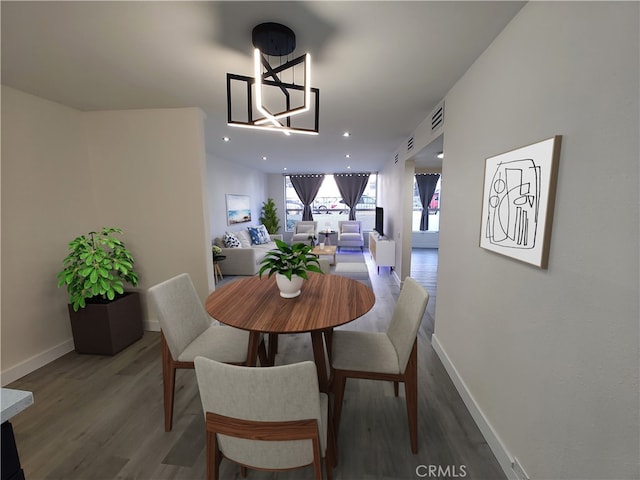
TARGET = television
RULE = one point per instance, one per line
(379, 227)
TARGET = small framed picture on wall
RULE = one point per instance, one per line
(238, 209)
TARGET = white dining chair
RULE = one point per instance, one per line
(286, 426)
(188, 331)
(390, 355)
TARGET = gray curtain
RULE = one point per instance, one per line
(426, 187)
(351, 187)
(306, 186)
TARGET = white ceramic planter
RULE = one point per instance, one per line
(289, 288)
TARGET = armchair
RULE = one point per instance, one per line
(350, 234)
(303, 230)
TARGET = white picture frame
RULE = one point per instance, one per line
(518, 201)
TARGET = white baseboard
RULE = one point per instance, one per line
(493, 440)
(151, 325)
(31, 364)
(394, 273)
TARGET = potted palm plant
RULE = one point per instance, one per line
(290, 263)
(104, 318)
(269, 216)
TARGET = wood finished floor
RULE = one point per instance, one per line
(99, 417)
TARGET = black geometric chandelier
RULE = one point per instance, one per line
(279, 97)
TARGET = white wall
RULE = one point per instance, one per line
(46, 202)
(148, 170)
(548, 359)
(225, 177)
(66, 172)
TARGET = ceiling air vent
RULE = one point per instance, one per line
(437, 119)
(410, 144)
(396, 159)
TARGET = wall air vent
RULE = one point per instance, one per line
(437, 119)
(410, 144)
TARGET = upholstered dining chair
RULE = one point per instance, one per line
(350, 234)
(287, 426)
(188, 331)
(390, 355)
(302, 230)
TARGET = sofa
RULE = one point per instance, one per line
(244, 259)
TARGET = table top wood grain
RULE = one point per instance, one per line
(255, 304)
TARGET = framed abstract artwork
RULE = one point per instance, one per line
(518, 200)
(238, 209)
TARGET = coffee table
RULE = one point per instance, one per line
(327, 250)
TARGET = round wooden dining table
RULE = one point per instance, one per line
(326, 301)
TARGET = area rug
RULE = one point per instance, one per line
(347, 255)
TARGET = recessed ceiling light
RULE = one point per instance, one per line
(285, 168)
(346, 134)
(264, 158)
(347, 156)
(348, 167)
(440, 155)
(226, 139)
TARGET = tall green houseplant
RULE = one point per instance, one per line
(98, 265)
(269, 216)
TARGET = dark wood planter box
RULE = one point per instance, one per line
(107, 328)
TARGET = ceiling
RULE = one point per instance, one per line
(381, 67)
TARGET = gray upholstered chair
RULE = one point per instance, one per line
(302, 230)
(188, 331)
(286, 426)
(350, 234)
(392, 355)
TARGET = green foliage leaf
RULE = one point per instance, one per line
(269, 216)
(290, 260)
(98, 264)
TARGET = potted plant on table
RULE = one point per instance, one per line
(104, 318)
(290, 264)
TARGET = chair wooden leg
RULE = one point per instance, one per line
(214, 457)
(395, 388)
(411, 392)
(243, 471)
(339, 383)
(332, 449)
(168, 382)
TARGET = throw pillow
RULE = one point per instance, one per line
(245, 239)
(258, 235)
(350, 229)
(264, 233)
(230, 240)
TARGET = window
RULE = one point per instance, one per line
(434, 209)
(328, 207)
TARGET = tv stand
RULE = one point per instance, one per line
(383, 252)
